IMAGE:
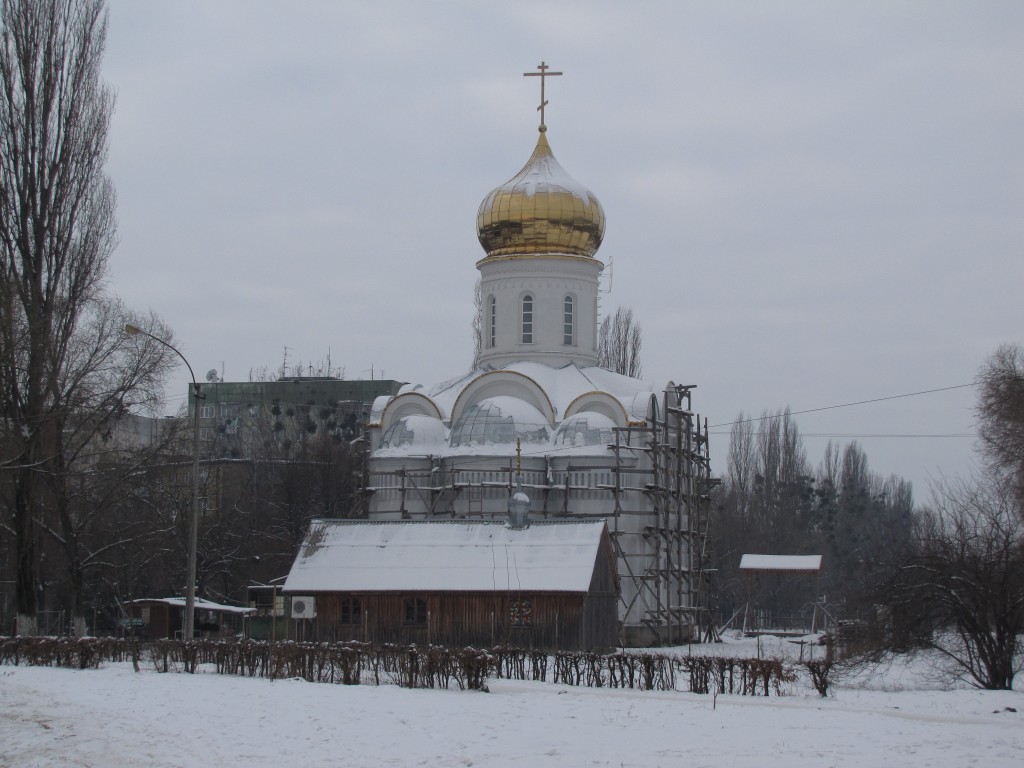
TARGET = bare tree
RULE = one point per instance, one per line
(477, 325)
(863, 521)
(742, 465)
(964, 583)
(106, 376)
(57, 230)
(1000, 410)
(103, 502)
(764, 508)
(618, 344)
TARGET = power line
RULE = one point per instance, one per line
(846, 405)
(867, 434)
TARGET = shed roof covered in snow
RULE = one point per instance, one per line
(200, 604)
(800, 563)
(446, 556)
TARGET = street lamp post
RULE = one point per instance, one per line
(193, 529)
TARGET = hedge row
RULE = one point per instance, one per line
(352, 663)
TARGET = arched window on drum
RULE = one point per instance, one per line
(568, 321)
(492, 321)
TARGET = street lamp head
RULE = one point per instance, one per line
(131, 330)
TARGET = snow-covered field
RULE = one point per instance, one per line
(896, 715)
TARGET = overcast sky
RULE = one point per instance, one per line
(808, 203)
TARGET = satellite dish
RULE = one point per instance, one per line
(211, 376)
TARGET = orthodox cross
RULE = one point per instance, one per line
(543, 102)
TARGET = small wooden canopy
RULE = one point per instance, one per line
(781, 563)
(753, 566)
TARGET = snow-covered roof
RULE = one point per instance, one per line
(500, 420)
(780, 563)
(571, 389)
(445, 556)
(415, 432)
(205, 605)
(562, 385)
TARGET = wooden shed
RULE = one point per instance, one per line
(469, 582)
(157, 618)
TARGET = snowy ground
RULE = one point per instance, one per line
(114, 717)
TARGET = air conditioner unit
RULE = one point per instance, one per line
(303, 607)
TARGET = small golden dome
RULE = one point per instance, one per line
(540, 210)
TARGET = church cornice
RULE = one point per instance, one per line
(590, 260)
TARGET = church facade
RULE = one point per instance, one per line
(586, 442)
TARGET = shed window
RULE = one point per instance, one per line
(351, 610)
(520, 613)
(415, 611)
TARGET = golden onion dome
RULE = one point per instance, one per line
(540, 210)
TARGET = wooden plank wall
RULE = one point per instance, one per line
(557, 620)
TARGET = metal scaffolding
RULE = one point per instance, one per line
(670, 574)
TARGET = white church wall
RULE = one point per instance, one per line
(548, 281)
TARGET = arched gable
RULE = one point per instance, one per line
(507, 383)
(645, 406)
(409, 404)
(599, 402)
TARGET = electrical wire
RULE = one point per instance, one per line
(846, 405)
(546, 450)
(838, 435)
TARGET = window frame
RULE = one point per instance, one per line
(492, 330)
(569, 320)
(527, 309)
(520, 613)
(415, 611)
(350, 608)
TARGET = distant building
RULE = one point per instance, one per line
(133, 431)
(236, 419)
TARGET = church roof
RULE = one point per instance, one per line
(562, 385)
(541, 210)
(485, 411)
(446, 556)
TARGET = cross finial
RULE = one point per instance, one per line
(543, 102)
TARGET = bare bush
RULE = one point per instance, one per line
(962, 588)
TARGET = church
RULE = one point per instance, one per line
(585, 443)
